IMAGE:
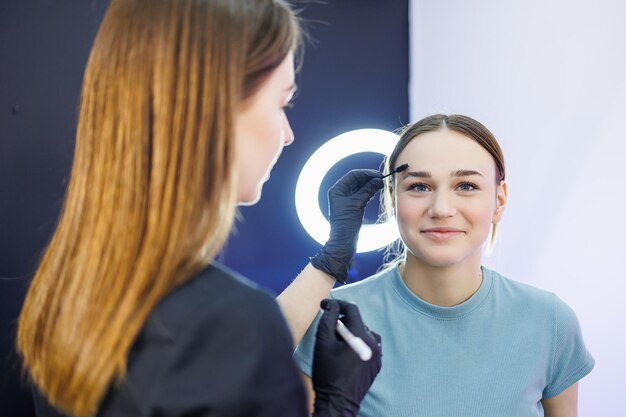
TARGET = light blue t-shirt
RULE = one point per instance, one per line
(497, 354)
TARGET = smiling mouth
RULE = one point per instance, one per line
(441, 234)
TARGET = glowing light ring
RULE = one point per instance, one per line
(371, 237)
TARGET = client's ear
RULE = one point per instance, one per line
(501, 196)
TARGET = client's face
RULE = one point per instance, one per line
(446, 200)
(261, 131)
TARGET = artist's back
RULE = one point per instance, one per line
(216, 346)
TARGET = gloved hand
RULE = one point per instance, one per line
(346, 205)
(340, 378)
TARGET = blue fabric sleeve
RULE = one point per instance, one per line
(303, 356)
(571, 361)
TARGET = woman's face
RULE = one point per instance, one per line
(447, 200)
(261, 131)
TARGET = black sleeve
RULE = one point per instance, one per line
(235, 361)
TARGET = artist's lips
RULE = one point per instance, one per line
(441, 233)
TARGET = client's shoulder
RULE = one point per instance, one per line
(525, 294)
(368, 286)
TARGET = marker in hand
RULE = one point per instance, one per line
(356, 343)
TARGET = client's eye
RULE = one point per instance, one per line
(419, 187)
(467, 186)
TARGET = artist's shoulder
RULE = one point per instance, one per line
(214, 293)
(226, 284)
(199, 333)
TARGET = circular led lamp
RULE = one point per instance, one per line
(371, 236)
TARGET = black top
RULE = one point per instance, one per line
(216, 346)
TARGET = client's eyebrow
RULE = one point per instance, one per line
(465, 173)
(418, 174)
(427, 174)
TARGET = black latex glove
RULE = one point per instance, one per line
(340, 378)
(346, 205)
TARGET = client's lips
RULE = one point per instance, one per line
(441, 233)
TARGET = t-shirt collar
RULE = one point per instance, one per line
(446, 313)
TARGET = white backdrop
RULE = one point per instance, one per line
(548, 79)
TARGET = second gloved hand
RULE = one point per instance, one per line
(346, 205)
(340, 378)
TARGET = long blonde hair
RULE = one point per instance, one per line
(152, 192)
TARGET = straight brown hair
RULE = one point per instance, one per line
(152, 192)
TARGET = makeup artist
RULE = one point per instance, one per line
(181, 119)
